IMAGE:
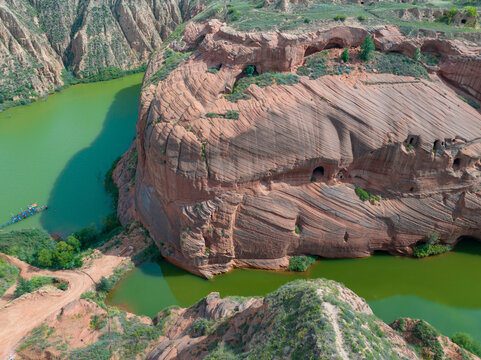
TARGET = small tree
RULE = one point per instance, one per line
(104, 284)
(63, 254)
(417, 54)
(345, 55)
(74, 243)
(249, 70)
(471, 11)
(367, 47)
(45, 258)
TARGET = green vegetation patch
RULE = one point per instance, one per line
(365, 196)
(469, 101)
(319, 64)
(8, 276)
(429, 338)
(35, 283)
(37, 339)
(172, 60)
(397, 64)
(37, 248)
(424, 250)
(430, 59)
(431, 247)
(127, 340)
(25, 244)
(201, 327)
(230, 114)
(301, 262)
(266, 79)
(467, 343)
(423, 336)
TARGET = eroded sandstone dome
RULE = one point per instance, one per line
(278, 179)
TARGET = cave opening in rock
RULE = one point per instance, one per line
(311, 49)
(318, 173)
(463, 21)
(199, 40)
(411, 141)
(456, 164)
(249, 70)
(336, 43)
(346, 237)
(436, 145)
(468, 244)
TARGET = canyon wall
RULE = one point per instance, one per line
(218, 193)
(40, 39)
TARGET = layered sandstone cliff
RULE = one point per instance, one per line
(218, 193)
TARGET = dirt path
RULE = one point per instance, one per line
(331, 312)
(19, 317)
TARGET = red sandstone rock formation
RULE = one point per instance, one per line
(219, 193)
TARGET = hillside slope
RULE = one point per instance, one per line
(41, 39)
(317, 319)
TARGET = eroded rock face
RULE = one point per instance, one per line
(219, 193)
(39, 39)
(26, 59)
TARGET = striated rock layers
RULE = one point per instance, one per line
(39, 39)
(218, 192)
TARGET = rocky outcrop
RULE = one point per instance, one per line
(319, 319)
(28, 65)
(218, 193)
(432, 344)
(303, 319)
(83, 329)
(39, 39)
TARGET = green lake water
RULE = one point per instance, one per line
(56, 152)
(443, 290)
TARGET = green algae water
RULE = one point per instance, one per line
(443, 290)
(56, 152)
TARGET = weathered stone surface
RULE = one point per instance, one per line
(39, 39)
(27, 61)
(219, 193)
(317, 318)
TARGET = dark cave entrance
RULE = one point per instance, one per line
(456, 164)
(318, 173)
(311, 49)
(468, 244)
(336, 43)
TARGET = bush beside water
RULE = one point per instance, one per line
(431, 247)
(301, 262)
